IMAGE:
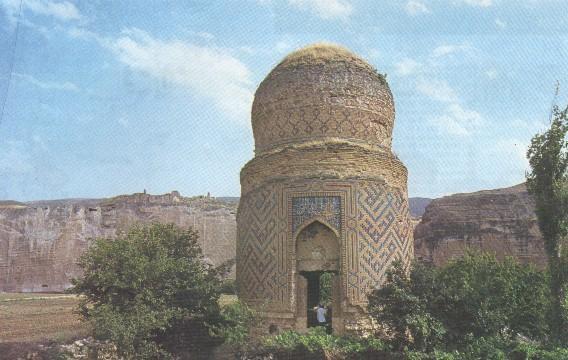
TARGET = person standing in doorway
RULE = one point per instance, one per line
(320, 314)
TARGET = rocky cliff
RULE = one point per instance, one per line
(41, 241)
(502, 221)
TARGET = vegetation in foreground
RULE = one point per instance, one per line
(475, 307)
(547, 182)
(151, 292)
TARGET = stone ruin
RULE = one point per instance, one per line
(324, 192)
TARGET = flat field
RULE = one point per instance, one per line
(28, 320)
(27, 317)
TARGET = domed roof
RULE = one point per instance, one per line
(321, 53)
(322, 92)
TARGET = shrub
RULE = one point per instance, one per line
(402, 306)
(317, 341)
(150, 290)
(229, 287)
(473, 297)
(235, 327)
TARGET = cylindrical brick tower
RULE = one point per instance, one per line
(323, 194)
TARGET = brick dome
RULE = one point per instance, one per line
(319, 93)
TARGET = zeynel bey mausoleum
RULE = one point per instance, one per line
(324, 192)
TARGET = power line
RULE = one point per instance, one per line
(14, 44)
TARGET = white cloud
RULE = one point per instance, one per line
(492, 74)
(38, 140)
(444, 50)
(478, 3)
(47, 85)
(500, 23)
(457, 120)
(438, 90)
(374, 54)
(282, 46)
(325, 9)
(205, 35)
(414, 7)
(210, 72)
(61, 10)
(123, 122)
(407, 67)
(79, 33)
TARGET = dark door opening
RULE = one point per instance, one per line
(319, 290)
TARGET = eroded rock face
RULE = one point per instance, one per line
(502, 221)
(40, 242)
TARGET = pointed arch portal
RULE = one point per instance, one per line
(317, 265)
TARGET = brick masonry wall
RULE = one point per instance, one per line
(325, 160)
(338, 99)
(374, 230)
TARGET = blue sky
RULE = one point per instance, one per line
(108, 97)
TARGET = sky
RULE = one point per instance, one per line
(100, 98)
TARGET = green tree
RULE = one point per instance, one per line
(150, 290)
(238, 321)
(547, 183)
(479, 296)
(402, 306)
(472, 297)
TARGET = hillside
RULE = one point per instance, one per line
(40, 241)
(502, 221)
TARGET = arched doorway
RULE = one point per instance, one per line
(317, 265)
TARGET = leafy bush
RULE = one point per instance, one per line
(229, 287)
(493, 348)
(476, 296)
(485, 297)
(235, 327)
(533, 352)
(401, 305)
(150, 290)
(316, 340)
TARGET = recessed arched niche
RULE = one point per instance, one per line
(317, 248)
